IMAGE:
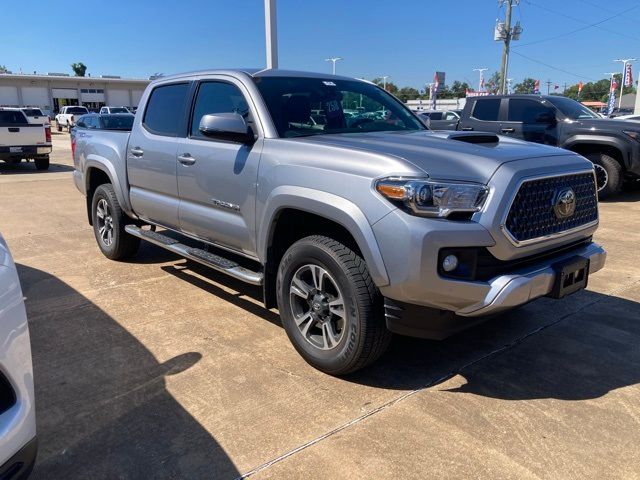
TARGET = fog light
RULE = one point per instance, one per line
(450, 263)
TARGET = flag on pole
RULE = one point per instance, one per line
(612, 96)
(481, 80)
(628, 75)
(580, 85)
(536, 86)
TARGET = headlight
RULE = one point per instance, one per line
(431, 198)
(632, 134)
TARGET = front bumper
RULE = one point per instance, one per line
(518, 288)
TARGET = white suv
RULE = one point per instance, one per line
(18, 443)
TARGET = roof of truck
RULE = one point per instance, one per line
(254, 72)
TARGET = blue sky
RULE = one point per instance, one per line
(406, 39)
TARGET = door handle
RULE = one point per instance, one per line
(508, 130)
(186, 159)
(137, 152)
(466, 129)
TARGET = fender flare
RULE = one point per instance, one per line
(99, 163)
(331, 207)
(599, 140)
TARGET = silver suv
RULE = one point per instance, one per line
(356, 225)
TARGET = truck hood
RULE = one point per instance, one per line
(607, 125)
(444, 155)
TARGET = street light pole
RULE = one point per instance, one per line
(480, 82)
(624, 72)
(333, 60)
(271, 32)
(384, 82)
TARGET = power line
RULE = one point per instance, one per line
(555, 12)
(566, 34)
(552, 67)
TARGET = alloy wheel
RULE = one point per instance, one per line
(105, 222)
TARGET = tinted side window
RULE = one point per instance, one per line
(217, 97)
(487, 109)
(435, 115)
(526, 111)
(81, 122)
(165, 109)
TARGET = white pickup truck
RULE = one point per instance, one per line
(68, 116)
(20, 139)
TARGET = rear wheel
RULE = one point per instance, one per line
(608, 174)
(58, 126)
(42, 163)
(331, 309)
(108, 225)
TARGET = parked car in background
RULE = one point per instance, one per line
(18, 441)
(629, 117)
(68, 116)
(440, 119)
(612, 145)
(114, 110)
(35, 115)
(116, 122)
(21, 140)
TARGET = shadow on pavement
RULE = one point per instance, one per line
(103, 410)
(630, 193)
(541, 352)
(29, 167)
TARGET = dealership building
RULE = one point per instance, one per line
(52, 91)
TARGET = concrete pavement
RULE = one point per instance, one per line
(159, 368)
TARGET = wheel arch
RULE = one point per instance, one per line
(96, 174)
(609, 146)
(296, 212)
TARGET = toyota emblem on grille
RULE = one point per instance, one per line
(564, 203)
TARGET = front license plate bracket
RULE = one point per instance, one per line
(571, 275)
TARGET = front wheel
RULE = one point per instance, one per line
(330, 308)
(108, 225)
(608, 174)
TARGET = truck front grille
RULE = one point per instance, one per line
(532, 214)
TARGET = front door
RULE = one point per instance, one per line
(217, 178)
(523, 121)
(151, 155)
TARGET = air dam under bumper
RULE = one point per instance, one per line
(509, 291)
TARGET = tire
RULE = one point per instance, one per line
(58, 126)
(608, 174)
(42, 163)
(334, 340)
(119, 244)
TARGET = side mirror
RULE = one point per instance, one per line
(547, 118)
(226, 126)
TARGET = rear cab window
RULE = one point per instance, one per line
(77, 110)
(33, 112)
(487, 110)
(12, 117)
(165, 109)
(525, 110)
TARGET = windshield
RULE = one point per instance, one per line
(12, 117)
(572, 109)
(32, 112)
(118, 122)
(118, 110)
(315, 106)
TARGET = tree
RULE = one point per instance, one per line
(407, 93)
(526, 86)
(459, 89)
(79, 69)
(493, 83)
(4, 69)
(390, 86)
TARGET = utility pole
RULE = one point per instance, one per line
(624, 74)
(505, 33)
(271, 32)
(481, 79)
(549, 82)
(333, 60)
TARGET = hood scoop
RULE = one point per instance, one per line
(476, 138)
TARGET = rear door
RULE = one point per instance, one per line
(151, 154)
(521, 120)
(217, 178)
(483, 115)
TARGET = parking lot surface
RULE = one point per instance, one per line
(160, 368)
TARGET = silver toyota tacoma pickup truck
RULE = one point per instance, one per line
(356, 220)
